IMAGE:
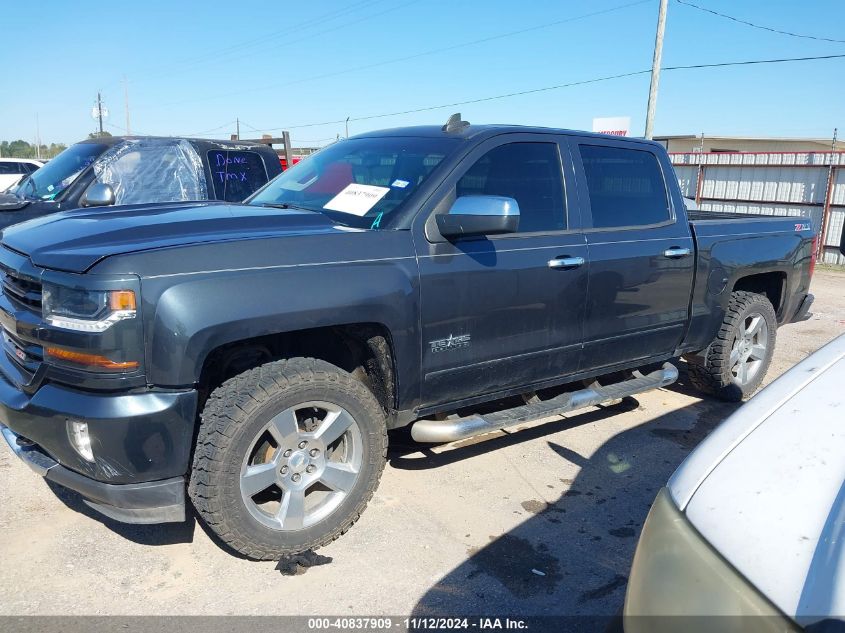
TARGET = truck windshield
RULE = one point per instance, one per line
(57, 175)
(358, 182)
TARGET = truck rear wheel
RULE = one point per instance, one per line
(735, 363)
(287, 458)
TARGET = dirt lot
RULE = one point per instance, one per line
(453, 530)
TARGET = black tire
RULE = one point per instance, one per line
(232, 419)
(710, 370)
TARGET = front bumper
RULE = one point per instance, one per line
(678, 582)
(141, 444)
(148, 502)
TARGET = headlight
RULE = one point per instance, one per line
(678, 582)
(86, 310)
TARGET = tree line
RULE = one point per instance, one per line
(22, 149)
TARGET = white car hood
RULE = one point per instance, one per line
(766, 488)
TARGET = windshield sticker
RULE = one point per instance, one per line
(299, 185)
(400, 183)
(356, 199)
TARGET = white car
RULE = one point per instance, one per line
(753, 522)
(12, 170)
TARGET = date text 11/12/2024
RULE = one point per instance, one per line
(417, 624)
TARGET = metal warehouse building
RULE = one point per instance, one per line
(807, 182)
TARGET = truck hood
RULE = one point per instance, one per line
(76, 240)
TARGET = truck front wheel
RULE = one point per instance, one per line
(735, 363)
(287, 457)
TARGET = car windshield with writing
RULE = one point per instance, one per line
(57, 175)
(358, 182)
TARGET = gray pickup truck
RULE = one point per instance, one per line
(458, 279)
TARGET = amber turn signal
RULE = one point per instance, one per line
(122, 300)
(90, 360)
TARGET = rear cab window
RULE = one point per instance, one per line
(625, 186)
(236, 174)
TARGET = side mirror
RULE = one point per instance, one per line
(479, 215)
(98, 195)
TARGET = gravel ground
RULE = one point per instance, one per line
(456, 529)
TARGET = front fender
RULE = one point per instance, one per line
(193, 315)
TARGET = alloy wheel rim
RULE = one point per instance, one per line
(301, 466)
(750, 348)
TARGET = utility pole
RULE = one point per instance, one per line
(288, 150)
(37, 138)
(828, 197)
(238, 128)
(655, 69)
(126, 105)
(347, 127)
(100, 112)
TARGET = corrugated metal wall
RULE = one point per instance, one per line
(788, 184)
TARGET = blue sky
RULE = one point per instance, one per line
(194, 67)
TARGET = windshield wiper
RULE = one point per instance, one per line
(286, 205)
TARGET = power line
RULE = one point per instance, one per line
(258, 41)
(406, 58)
(124, 130)
(751, 62)
(214, 129)
(560, 86)
(291, 42)
(759, 26)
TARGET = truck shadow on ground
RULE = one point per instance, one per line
(571, 556)
(157, 534)
(583, 542)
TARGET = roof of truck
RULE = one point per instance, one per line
(114, 140)
(480, 132)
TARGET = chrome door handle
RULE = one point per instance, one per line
(675, 253)
(566, 262)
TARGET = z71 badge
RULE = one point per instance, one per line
(802, 227)
(451, 343)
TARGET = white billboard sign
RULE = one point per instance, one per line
(613, 125)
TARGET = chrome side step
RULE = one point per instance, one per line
(442, 431)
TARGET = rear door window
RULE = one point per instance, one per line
(626, 187)
(236, 174)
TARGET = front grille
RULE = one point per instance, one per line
(22, 290)
(28, 356)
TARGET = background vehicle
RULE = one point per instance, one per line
(750, 524)
(395, 278)
(140, 170)
(12, 170)
(294, 160)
